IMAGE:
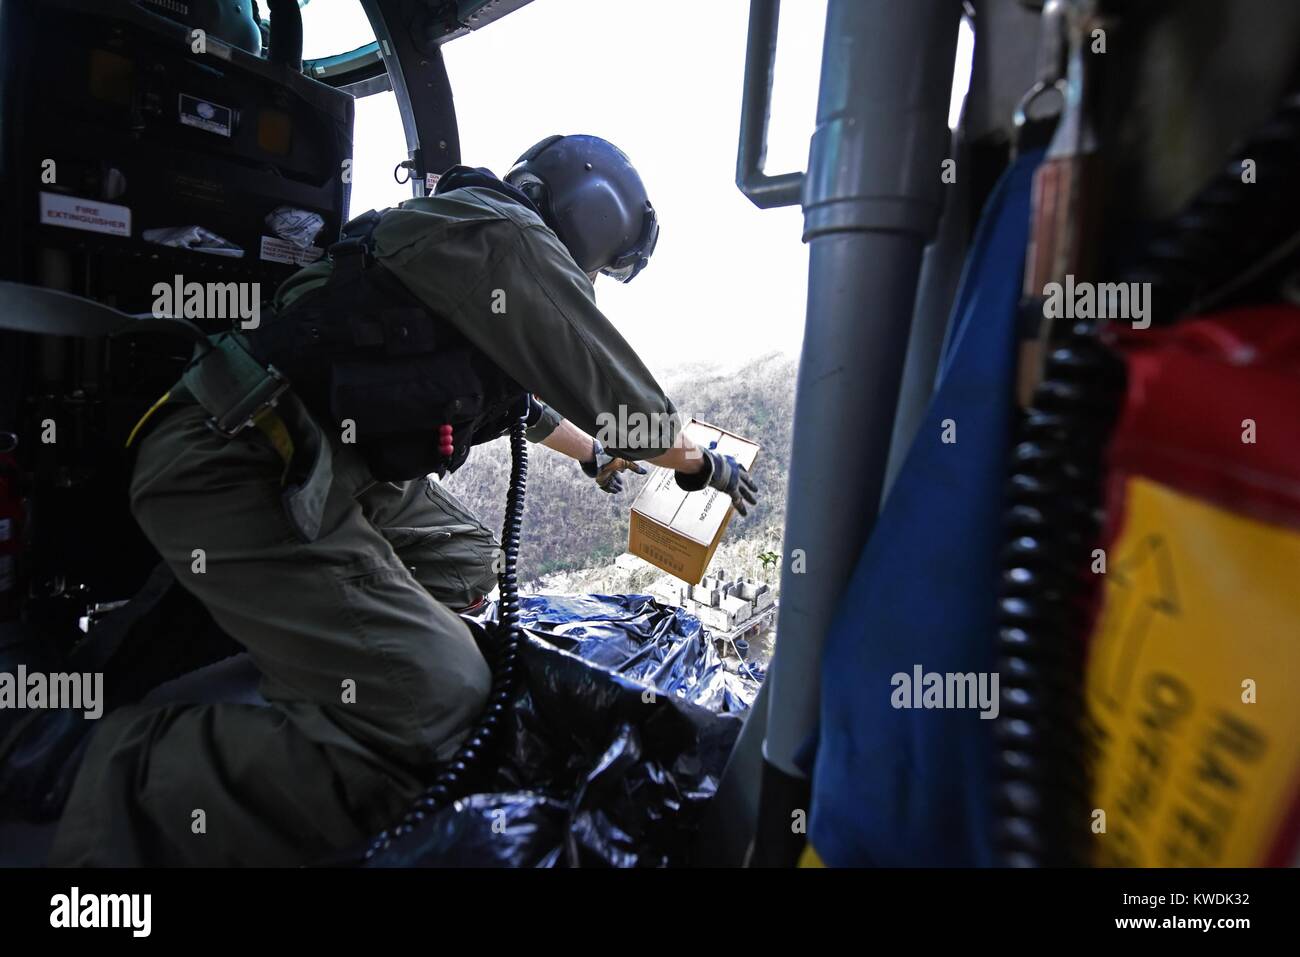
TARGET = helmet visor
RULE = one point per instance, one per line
(623, 273)
(625, 267)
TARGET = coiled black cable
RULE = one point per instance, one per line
(455, 778)
(1205, 256)
(1233, 231)
(1052, 522)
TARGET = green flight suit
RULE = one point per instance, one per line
(370, 675)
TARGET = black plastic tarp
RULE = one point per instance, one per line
(621, 727)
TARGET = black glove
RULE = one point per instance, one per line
(726, 475)
(605, 468)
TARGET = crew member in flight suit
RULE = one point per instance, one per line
(319, 542)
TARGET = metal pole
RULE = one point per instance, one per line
(941, 269)
(871, 203)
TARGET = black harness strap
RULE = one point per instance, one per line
(362, 348)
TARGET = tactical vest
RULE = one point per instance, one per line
(361, 347)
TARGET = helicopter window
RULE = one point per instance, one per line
(379, 144)
(334, 28)
(339, 48)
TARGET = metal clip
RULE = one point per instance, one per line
(1053, 55)
(1066, 200)
(231, 385)
(243, 414)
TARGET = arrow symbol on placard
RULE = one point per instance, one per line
(1140, 587)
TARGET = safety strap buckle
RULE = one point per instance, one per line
(231, 384)
(264, 394)
(354, 253)
(349, 258)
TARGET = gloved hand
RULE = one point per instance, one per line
(726, 475)
(604, 468)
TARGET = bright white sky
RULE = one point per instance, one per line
(728, 281)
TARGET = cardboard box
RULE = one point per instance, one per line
(679, 531)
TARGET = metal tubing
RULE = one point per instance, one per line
(766, 192)
(872, 202)
(941, 270)
(419, 78)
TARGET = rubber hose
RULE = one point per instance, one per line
(286, 33)
(455, 778)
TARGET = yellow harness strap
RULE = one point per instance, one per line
(268, 422)
(272, 426)
(146, 417)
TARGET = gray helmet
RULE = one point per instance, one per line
(593, 199)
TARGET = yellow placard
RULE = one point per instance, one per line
(1192, 685)
(810, 857)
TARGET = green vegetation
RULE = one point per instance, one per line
(570, 524)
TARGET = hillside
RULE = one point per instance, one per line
(570, 524)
